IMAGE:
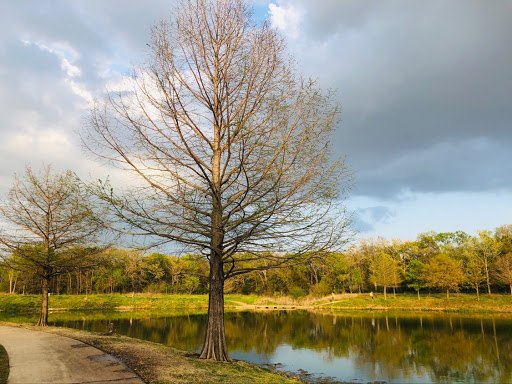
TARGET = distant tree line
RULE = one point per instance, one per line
(434, 262)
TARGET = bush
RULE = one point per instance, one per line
(296, 293)
(321, 289)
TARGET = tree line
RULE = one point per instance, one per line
(434, 262)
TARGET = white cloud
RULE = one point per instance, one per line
(67, 56)
(286, 18)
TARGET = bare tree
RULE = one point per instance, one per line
(485, 248)
(231, 146)
(46, 222)
(503, 270)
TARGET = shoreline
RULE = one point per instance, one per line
(458, 303)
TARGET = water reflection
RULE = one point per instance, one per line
(364, 347)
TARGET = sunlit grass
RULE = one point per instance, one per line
(24, 306)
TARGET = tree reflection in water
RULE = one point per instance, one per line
(379, 346)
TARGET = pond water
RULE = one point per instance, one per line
(364, 347)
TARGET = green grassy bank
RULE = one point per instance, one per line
(458, 302)
(30, 303)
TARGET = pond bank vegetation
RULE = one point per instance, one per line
(460, 302)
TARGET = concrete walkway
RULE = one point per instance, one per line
(40, 357)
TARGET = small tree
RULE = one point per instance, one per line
(503, 270)
(444, 273)
(485, 249)
(473, 270)
(46, 222)
(414, 276)
(385, 272)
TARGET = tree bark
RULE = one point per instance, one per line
(477, 293)
(385, 296)
(43, 317)
(418, 294)
(214, 347)
(487, 279)
(447, 294)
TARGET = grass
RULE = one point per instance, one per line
(156, 363)
(23, 305)
(4, 365)
(29, 303)
(458, 302)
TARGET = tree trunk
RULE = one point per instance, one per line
(385, 296)
(43, 317)
(394, 292)
(10, 284)
(447, 294)
(487, 278)
(214, 347)
(418, 294)
(477, 293)
(511, 290)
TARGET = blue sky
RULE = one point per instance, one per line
(425, 87)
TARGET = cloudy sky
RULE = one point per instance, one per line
(426, 90)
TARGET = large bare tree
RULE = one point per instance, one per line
(46, 226)
(231, 145)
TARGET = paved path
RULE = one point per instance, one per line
(40, 357)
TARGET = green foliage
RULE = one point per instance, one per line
(444, 273)
(414, 275)
(372, 263)
(297, 293)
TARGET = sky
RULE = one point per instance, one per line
(425, 89)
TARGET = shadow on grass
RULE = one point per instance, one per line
(4, 365)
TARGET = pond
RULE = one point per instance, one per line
(353, 347)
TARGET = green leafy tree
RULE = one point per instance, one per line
(504, 235)
(414, 276)
(443, 272)
(385, 272)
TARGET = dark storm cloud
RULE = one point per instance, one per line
(426, 89)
